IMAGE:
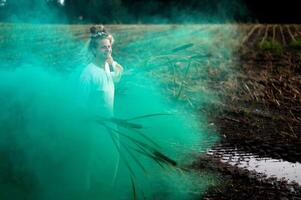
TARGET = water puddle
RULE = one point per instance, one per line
(271, 168)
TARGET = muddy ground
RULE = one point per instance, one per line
(262, 117)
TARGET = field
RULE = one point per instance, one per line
(245, 78)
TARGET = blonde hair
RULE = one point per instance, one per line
(98, 33)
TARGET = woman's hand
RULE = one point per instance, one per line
(117, 67)
(110, 60)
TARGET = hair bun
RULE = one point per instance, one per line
(93, 30)
(96, 29)
(101, 28)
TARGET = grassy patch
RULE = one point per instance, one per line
(272, 46)
(296, 44)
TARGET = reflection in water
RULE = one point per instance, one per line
(272, 168)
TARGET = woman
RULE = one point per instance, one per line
(97, 80)
(144, 143)
(97, 98)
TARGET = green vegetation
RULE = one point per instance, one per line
(271, 45)
(296, 44)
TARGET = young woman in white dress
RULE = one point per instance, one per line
(97, 98)
(97, 80)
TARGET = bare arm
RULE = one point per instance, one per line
(118, 69)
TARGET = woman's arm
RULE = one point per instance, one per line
(117, 69)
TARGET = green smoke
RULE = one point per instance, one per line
(50, 149)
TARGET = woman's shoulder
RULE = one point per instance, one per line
(92, 73)
(90, 66)
(87, 71)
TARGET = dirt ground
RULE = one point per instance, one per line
(263, 116)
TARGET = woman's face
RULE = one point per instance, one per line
(104, 49)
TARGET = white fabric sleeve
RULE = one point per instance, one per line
(115, 75)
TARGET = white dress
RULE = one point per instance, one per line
(97, 89)
(97, 100)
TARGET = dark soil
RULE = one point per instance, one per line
(237, 184)
(262, 116)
